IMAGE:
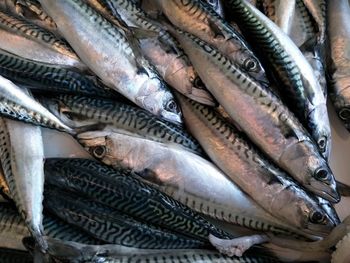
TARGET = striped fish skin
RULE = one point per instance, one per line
(196, 17)
(304, 94)
(339, 34)
(110, 225)
(155, 161)
(263, 117)
(260, 179)
(114, 60)
(223, 200)
(318, 10)
(217, 6)
(22, 158)
(194, 256)
(163, 52)
(121, 117)
(16, 104)
(12, 228)
(28, 40)
(152, 206)
(14, 256)
(47, 77)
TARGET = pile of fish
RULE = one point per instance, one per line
(205, 121)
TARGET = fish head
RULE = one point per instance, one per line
(321, 131)
(95, 142)
(329, 209)
(311, 169)
(159, 100)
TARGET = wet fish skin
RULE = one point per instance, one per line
(245, 165)
(110, 225)
(223, 201)
(22, 157)
(213, 29)
(20, 37)
(51, 78)
(263, 117)
(304, 94)
(217, 5)
(318, 10)
(339, 33)
(113, 59)
(4, 188)
(121, 117)
(152, 206)
(14, 103)
(163, 52)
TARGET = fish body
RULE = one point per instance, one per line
(113, 59)
(130, 196)
(163, 52)
(339, 34)
(197, 18)
(49, 77)
(112, 226)
(217, 5)
(15, 103)
(304, 94)
(246, 166)
(4, 188)
(22, 157)
(263, 117)
(28, 40)
(120, 117)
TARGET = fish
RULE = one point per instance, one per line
(31, 11)
(110, 225)
(77, 252)
(162, 51)
(15, 103)
(246, 166)
(263, 117)
(50, 78)
(27, 40)
(4, 188)
(22, 158)
(121, 117)
(339, 34)
(318, 10)
(302, 92)
(206, 192)
(198, 18)
(113, 60)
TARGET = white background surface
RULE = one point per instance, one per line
(58, 144)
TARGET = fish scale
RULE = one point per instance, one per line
(122, 117)
(117, 188)
(111, 226)
(48, 77)
(303, 92)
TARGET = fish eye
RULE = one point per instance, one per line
(198, 82)
(344, 114)
(171, 106)
(99, 151)
(322, 142)
(250, 64)
(321, 174)
(317, 217)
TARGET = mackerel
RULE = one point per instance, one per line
(196, 17)
(48, 77)
(22, 157)
(263, 117)
(4, 188)
(20, 37)
(339, 33)
(304, 94)
(318, 10)
(120, 117)
(217, 6)
(205, 191)
(114, 59)
(112, 226)
(15, 103)
(163, 51)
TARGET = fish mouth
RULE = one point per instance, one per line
(319, 230)
(324, 190)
